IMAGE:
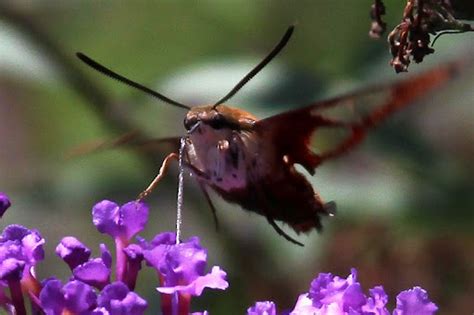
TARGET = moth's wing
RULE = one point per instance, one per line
(133, 140)
(290, 132)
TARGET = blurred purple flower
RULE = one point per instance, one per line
(414, 302)
(4, 203)
(327, 289)
(21, 244)
(117, 299)
(332, 295)
(75, 297)
(72, 251)
(20, 250)
(262, 308)
(120, 222)
(376, 302)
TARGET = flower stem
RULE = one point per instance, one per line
(166, 304)
(17, 297)
(132, 273)
(121, 258)
(30, 284)
(184, 304)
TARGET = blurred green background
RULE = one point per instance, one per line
(405, 197)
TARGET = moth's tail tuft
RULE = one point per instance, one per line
(330, 208)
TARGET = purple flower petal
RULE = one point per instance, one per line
(262, 308)
(107, 218)
(14, 232)
(100, 311)
(118, 299)
(200, 313)
(120, 222)
(33, 247)
(155, 250)
(105, 255)
(93, 272)
(183, 263)
(213, 280)
(134, 252)
(52, 298)
(11, 269)
(154, 257)
(353, 298)
(72, 251)
(75, 297)
(414, 302)
(304, 306)
(80, 297)
(165, 238)
(4, 203)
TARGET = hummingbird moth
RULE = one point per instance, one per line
(251, 161)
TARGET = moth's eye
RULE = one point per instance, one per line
(189, 123)
(218, 122)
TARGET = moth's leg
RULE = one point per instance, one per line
(161, 173)
(211, 205)
(282, 233)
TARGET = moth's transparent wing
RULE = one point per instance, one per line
(132, 140)
(356, 113)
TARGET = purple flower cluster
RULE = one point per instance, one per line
(94, 289)
(332, 295)
(91, 289)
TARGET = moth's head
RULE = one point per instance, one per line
(218, 117)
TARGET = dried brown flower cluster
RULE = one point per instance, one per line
(410, 40)
(378, 26)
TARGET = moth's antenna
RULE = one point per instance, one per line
(281, 44)
(111, 74)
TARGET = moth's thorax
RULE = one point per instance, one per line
(220, 151)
